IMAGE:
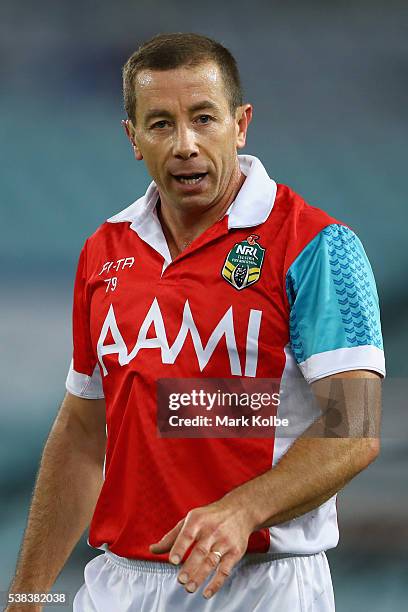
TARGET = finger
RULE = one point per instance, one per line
(167, 540)
(184, 540)
(195, 560)
(208, 564)
(222, 573)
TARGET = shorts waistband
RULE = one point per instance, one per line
(142, 565)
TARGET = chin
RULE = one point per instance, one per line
(198, 201)
(195, 199)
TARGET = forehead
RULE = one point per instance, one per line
(185, 85)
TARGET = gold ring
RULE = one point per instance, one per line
(219, 555)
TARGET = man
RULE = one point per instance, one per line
(216, 272)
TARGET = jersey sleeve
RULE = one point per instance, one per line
(334, 318)
(84, 377)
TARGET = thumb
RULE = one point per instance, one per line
(167, 541)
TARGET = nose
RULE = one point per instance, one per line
(185, 145)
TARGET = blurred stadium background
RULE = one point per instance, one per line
(328, 81)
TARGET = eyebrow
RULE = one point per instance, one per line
(161, 112)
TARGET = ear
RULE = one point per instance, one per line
(243, 117)
(131, 134)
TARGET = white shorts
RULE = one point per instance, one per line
(259, 582)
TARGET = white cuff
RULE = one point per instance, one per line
(82, 385)
(365, 357)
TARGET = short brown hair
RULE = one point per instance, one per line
(169, 51)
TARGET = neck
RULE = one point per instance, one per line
(181, 227)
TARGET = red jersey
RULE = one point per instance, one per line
(300, 305)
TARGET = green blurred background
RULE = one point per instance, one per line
(329, 83)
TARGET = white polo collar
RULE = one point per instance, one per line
(251, 207)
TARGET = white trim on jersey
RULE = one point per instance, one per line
(366, 357)
(256, 197)
(318, 529)
(88, 387)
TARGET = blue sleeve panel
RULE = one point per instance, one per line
(332, 295)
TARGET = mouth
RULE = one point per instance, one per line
(190, 179)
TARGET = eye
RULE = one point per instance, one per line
(159, 124)
(204, 119)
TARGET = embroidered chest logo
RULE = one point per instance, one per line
(243, 264)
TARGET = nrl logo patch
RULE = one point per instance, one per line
(242, 266)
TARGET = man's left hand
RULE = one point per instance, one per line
(221, 527)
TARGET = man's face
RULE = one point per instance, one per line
(186, 134)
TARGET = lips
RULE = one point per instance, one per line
(191, 178)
